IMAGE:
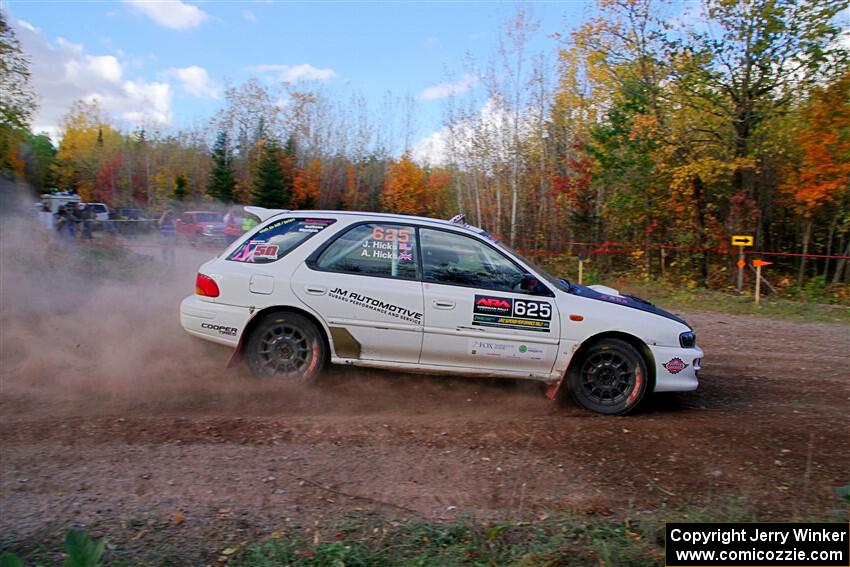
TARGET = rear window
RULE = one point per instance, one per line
(274, 241)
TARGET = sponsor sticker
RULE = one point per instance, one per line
(511, 313)
(222, 330)
(497, 349)
(375, 304)
(675, 365)
(266, 251)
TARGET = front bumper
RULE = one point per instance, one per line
(676, 368)
(222, 324)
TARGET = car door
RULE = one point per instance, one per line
(476, 315)
(365, 283)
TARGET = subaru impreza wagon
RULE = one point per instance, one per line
(422, 295)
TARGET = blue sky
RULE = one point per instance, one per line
(167, 62)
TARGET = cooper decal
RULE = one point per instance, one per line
(675, 365)
(510, 313)
(374, 304)
(222, 330)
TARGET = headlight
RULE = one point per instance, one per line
(688, 339)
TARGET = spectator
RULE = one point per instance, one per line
(232, 225)
(167, 236)
(87, 216)
(248, 222)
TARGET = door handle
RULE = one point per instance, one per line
(443, 304)
(315, 289)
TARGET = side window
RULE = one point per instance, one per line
(186, 218)
(455, 259)
(277, 239)
(377, 249)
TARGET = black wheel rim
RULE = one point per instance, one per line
(607, 378)
(284, 351)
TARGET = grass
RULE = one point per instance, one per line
(372, 539)
(562, 539)
(700, 299)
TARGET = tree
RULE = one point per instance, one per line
(751, 62)
(221, 182)
(38, 154)
(823, 176)
(180, 190)
(307, 185)
(270, 191)
(404, 190)
(17, 101)
(88, 143)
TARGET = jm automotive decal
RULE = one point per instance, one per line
(374, 304)
(510, 313)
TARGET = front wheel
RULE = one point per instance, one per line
(286, 346)
(610, 377)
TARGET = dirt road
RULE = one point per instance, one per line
(114, 420)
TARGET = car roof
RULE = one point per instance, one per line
(390, 216)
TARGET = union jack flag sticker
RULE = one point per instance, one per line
(405, 256)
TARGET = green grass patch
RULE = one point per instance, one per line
(700, 299)
(563, 538)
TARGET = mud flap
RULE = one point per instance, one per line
(236, 357)
(552, 391)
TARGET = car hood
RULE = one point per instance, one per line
(611, 295)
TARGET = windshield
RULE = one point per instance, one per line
(561, 283)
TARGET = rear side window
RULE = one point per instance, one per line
(274, 241)
(377, 249)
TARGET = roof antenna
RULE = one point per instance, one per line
(458, 219)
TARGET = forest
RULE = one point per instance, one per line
(641, 139)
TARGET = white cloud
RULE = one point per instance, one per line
(295, 73)
(489, 129)
(433, 149)
(28, 26)
(173, 14)
(443, 90)
(194, 80)
(63, 72)
(249, 15)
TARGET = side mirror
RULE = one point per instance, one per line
(529, 284)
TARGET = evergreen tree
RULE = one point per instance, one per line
(180, 190)
(272, 188)
(222, 182)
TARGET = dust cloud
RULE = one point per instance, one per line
(93, 329)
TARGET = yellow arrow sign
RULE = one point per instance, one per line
(742, 240)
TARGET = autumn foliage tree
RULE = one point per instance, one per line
(404, 190)
(822, 176)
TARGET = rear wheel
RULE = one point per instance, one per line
(286, 346)
(610, 377)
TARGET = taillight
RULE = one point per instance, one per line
(206, 286)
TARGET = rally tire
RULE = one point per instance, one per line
(286, 347)
(610, 377)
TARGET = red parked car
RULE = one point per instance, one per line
(201, 227)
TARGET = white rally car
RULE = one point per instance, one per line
(440, 297)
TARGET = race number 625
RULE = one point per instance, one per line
(532, 309)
